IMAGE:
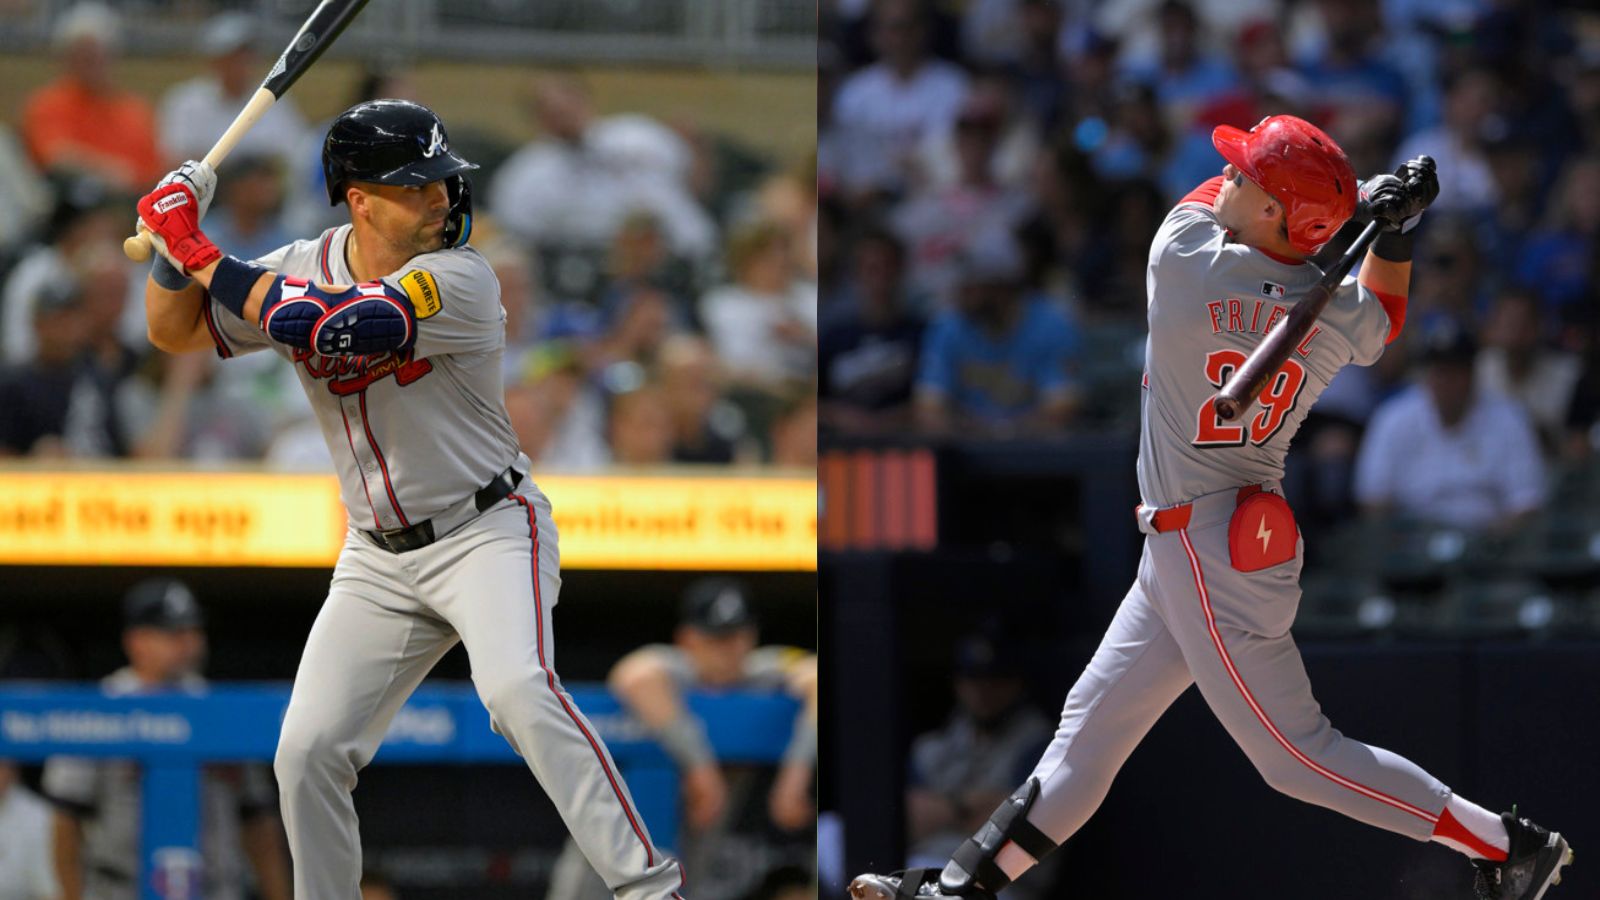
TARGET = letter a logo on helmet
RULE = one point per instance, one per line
(397, 142)
(1302, 168)
(434, 144)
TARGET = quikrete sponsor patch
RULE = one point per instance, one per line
(423, 291)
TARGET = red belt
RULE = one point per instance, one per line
(1174, 518)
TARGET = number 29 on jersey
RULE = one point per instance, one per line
(1277, 400)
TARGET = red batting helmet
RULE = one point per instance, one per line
(1302, 168)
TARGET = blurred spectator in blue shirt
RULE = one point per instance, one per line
(867, 357)
(1558, 260)
(997, 363)
(1037, 68)
(1266, 86)
(1360, 89)
(1450, 279)
(35, 397)
(1183, 76)
(1133, 142)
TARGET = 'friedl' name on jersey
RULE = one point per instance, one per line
(1231, 315)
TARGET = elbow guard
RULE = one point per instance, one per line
(364, 318)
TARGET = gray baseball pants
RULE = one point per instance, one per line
(491, 584)
(1191, 617)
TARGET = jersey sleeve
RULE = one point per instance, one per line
(456, 299)
(1358, 315)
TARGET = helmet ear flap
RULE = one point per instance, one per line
(458, 224)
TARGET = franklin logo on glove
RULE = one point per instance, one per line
(171, 202)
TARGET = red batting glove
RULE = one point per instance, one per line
(171, 214)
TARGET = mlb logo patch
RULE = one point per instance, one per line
(1272, 289)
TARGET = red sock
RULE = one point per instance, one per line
(1450, 831)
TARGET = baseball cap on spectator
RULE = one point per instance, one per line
(1447, 343)
(77, 195)
(225, 33)
(717, 606)
(161, 603)
(56, 295)
(980, 656)
(95, 21)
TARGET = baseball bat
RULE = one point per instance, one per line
(321, 28)
(1246, 384)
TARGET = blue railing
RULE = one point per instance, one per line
(172, 735)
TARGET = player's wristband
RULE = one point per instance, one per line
(167, 277)
(684, 739)
(232, 281)
(802, 749)
(1394, 246)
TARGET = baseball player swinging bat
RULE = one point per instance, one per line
(320, 30)
(1247, 383)
(1235, 305)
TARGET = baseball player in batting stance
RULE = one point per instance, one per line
(395, 329)
(1218, 580)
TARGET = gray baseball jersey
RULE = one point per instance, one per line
(410, 433)
(1218, 582)
(106, 797)
(416, 434)
(1211, 301)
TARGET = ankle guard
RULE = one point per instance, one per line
(973, 867)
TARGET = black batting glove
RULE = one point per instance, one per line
(1398, 201)
(1421, 177)
(1382, 197)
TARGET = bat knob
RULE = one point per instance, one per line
(1227, 408)
(136, 248)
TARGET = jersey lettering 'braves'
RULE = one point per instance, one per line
(1211, 303)
(425, 426)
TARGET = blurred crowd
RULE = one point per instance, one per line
(659, 280)
(991, 173)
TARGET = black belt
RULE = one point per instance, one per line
(402, 540)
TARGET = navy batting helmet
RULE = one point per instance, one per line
(397, 142)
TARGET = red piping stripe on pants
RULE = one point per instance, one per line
(1222, 650)
(550, 680)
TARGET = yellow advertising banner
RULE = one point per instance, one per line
(147, 518)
